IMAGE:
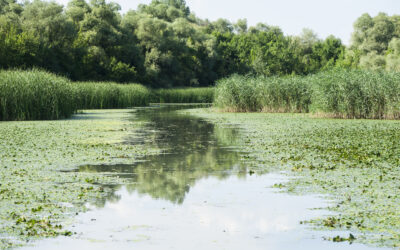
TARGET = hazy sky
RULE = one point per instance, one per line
(323, 16)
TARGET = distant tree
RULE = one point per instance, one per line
(393, 56)
(163, 44)
(49, 25)
(222, 26)
(241, 26)
(370, 42)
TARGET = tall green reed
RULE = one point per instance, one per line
(108, 95)
(184, 95)
(336, 93)
(273, 94)
(34, 95)
(39, 95)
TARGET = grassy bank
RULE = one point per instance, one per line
(38, 95)
(353, 162)
(335, 93)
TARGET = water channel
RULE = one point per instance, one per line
(197, 194)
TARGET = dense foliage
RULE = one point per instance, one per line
(375, 43)
(271, 94)
(338, 93)
(161, 44)
(357, 94)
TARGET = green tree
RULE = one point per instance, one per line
(370, 47)
(393, 56)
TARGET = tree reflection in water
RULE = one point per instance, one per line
(193, 149)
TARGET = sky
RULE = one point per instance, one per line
(325, 17)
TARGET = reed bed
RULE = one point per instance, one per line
(270, 94)
(356, 94)
(39, 95)
(108, 95)
(35, 95)
(184, 95)
(335, 93)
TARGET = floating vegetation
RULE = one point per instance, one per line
(355, 162)
(37, 194)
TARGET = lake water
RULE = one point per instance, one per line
(197, 194)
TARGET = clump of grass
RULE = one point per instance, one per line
(273, 94)
(337, 93)
(35, 95)
(184, 95)
(108, 95)
(356, 94)
(39, 95)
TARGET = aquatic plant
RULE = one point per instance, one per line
(184, 95)
(336, 93)
(35, 95)
(271, 94)
(356, 94)
(38, 190)
(108, 95)
(352, 162)
(39, 95)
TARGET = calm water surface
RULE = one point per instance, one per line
(196, 195)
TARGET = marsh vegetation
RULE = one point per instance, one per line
(354, 162)
(39, 95)
(278, 90)
(336, 93)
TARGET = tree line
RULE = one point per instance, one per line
(163, 44)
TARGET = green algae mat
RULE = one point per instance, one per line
(38, 193)
(355, 164)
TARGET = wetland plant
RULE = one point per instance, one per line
(35, 95)
(39, 95)
(356, 94)
(108, 95)
(270, 94)
(335, 93)
(185, 95)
